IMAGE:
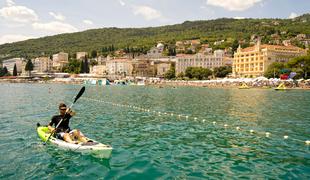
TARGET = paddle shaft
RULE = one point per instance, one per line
(75, 99)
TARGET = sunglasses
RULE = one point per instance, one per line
(63, 109)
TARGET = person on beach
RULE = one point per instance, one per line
(63, 131)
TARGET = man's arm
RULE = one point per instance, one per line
(50, 124)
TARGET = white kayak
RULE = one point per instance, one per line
(93, 147)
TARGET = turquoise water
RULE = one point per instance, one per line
(152, 145)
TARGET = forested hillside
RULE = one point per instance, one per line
(207, 31)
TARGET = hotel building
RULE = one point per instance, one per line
(254, 61)
(209, 61)
(119, 67)
(9, 64)
(42, 64)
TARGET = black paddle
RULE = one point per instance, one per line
(75, 99)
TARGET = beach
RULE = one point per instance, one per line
(260, 82)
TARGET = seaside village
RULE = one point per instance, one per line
(248, 64)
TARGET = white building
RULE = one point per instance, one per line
(102, 60)
(119, 67)
(156, 52)
(199, 60)
(9, 64)
(98, 70)
(81, 55)
(42, 64)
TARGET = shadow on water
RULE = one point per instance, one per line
(62, 155)
(64, 164)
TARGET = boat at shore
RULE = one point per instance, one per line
(281, 87)
(244, 86)
(92, 147)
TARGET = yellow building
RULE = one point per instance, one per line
(254, 61)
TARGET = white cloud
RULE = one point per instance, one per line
(147, 12)
(55, 27)
(8, 38)
(57, 16)
(233, 5)
(88, 22)
(292, 15)
(20, 14)
(122, 2)
(238, 17)
(10, 2)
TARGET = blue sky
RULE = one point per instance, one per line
(20, 20)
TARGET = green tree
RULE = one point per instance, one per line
(82, 67)
(300, 65)
(189, 51)
(94, 54)
(198, 73)
(188, 72)
(87, 66)
(235, 45)
(222, 71)
(15, 70)
(274, 70)
(29, 66)
(180, 75)
(73, 66)
(170, 74)
(4, 71)
(93, 62)
(171, 51)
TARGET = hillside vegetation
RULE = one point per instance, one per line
(207, 31)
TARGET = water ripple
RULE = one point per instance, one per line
(149, 146)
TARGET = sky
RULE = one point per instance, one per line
(26, 19)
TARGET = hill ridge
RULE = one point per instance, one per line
(206, 30)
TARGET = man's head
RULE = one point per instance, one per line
(62, 108)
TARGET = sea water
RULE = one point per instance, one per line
(159, 133)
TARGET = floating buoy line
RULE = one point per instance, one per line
(187, 117)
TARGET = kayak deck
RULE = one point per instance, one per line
(93, 147)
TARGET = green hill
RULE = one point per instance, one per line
(206, 31)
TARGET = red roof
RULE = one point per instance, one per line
(272, 47)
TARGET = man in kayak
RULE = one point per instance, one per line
(63, 131)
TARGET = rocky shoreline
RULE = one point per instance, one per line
(235, 83)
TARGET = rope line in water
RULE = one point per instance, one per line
(187, 117)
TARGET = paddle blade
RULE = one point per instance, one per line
(80, 94)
